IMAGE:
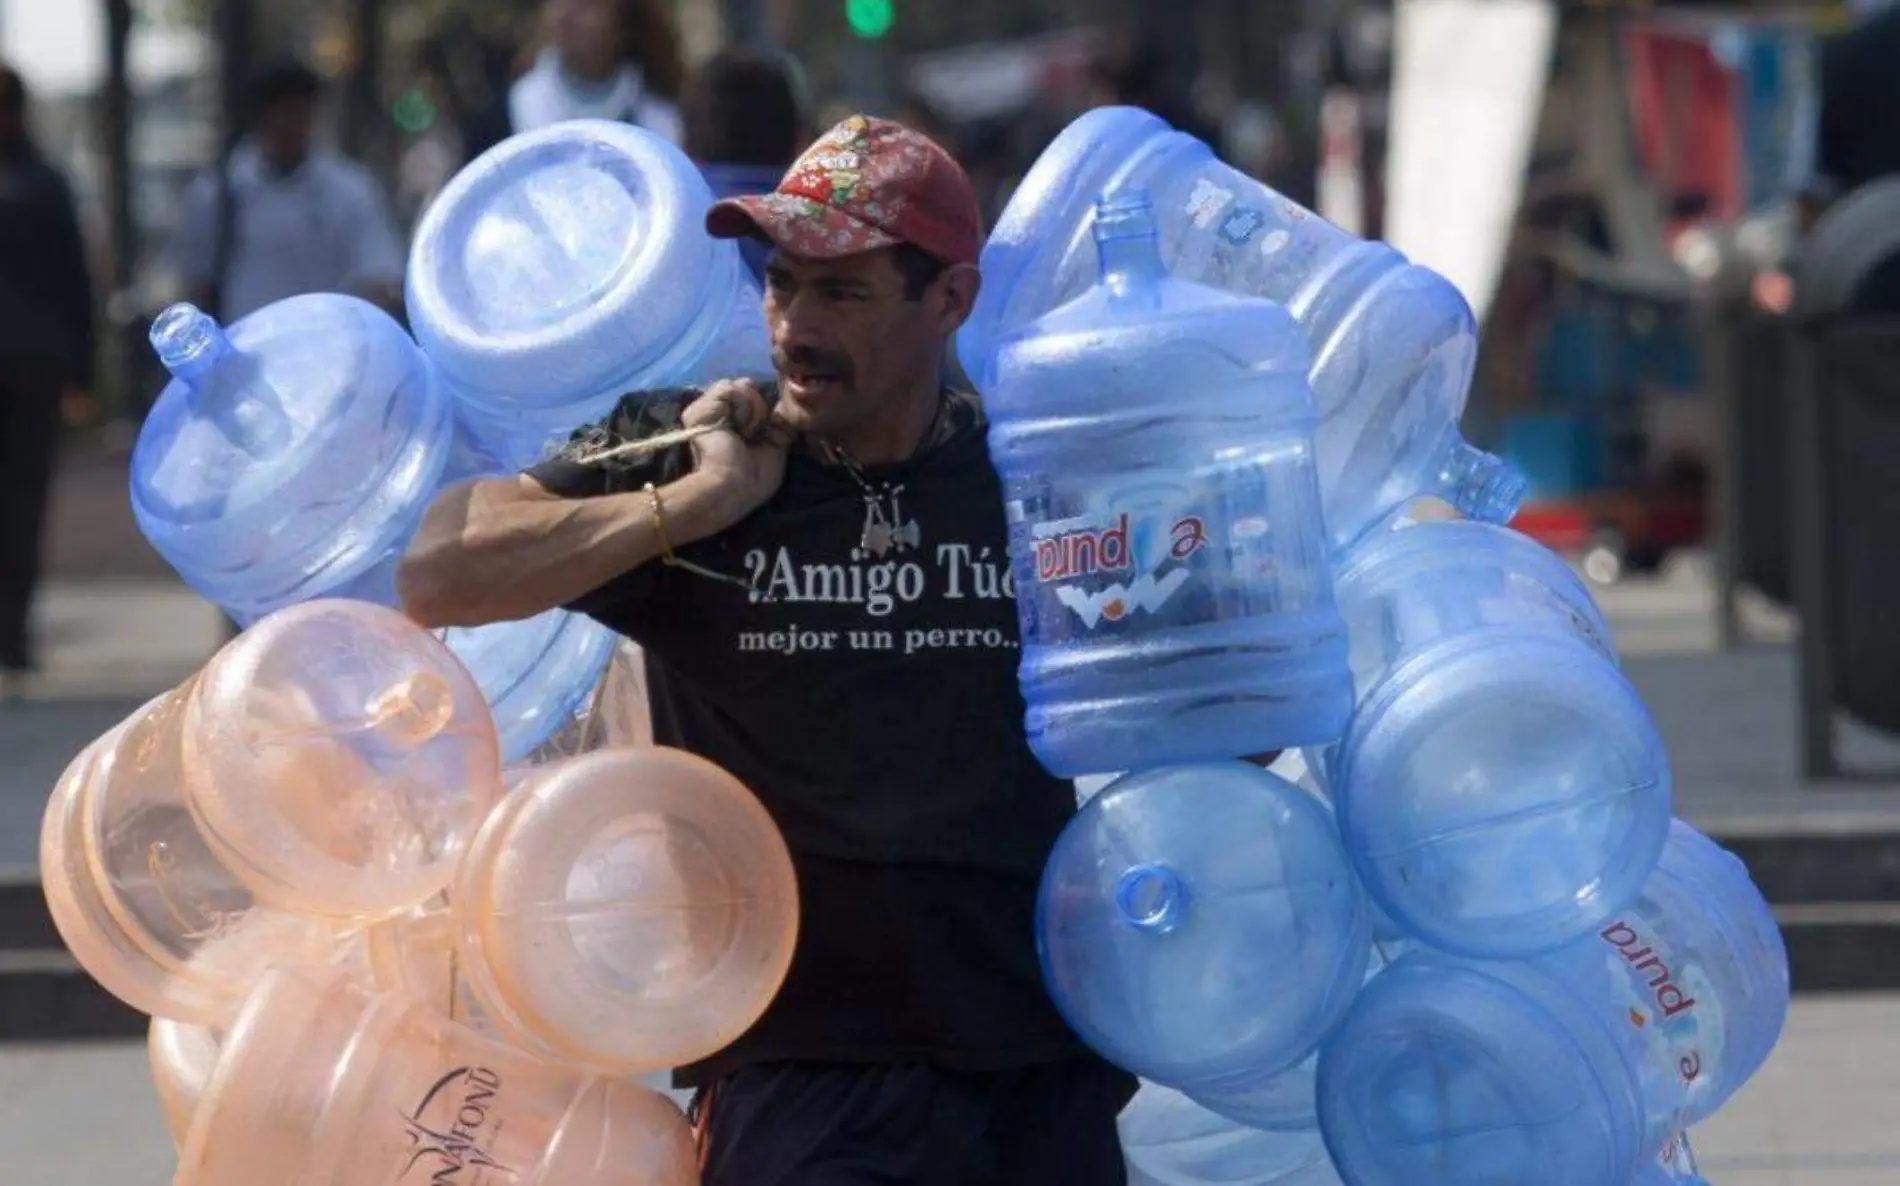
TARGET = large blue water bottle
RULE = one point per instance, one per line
(292, 456)
(1501, 789)
(1393, 345)
(538, 675)
(1169, 1140)
(1200, 927)
(568, 266)
(1570, 1068)
(1172, 580)
(1286, 1102)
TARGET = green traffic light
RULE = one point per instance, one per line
(870, 18)
(413, 112)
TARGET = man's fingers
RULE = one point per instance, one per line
(724, 400)
(778, 433)
(741, 406)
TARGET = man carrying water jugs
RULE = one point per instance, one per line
(818, 574)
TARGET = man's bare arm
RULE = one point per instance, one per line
(502, 549)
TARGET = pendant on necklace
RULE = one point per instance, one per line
(877, 538)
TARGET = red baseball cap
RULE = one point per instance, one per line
(865, 184)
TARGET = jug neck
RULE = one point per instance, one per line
(190, 343)
(1128, 244)
(1478, 485)
(194, 347)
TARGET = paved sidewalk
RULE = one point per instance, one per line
(108, 647)
(1729, 719)
(1820, 1114)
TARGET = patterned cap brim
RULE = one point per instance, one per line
(796, 225)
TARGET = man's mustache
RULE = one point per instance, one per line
(807, 358)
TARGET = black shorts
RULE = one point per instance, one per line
(816, 1124)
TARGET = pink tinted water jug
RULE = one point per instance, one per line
(327, 767)
(323, 1082)
(627, 910)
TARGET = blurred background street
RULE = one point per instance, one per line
(1679, 223)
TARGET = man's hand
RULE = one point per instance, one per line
(741, 465)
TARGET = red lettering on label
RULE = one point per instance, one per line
(1670, 997)
(1189, 536)
(1084, 552)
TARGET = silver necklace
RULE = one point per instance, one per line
(885, 529)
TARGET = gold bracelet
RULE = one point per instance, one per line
(659, 525)
(667, 557)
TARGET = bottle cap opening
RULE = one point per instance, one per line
(1150, 897)
(187, 339)
(1497, 498)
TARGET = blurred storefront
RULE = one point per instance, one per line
(1666, 130)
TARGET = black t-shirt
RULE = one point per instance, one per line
(868, 696)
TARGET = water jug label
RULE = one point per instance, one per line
(1159, 555)
(1676, 1157)
(1667, 997)
(1073, 553)
(452, 1131)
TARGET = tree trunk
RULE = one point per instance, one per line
(235, 31)
(364, 131)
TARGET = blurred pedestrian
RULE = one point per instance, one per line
(598, 59)
(746, 121)
(282, 216)
(46, 357)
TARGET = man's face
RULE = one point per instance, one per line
(846, 340)
(284, 130)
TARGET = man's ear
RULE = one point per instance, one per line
(957, 290)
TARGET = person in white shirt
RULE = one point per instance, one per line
(284, 216)
(598, 59)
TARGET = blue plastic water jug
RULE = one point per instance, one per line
(536, 674)
(1288, 1101)
(1569, 1068)
(1501, 789)
(1169, 1140)
(1200, 927)
(568, 266)
(292, 456)
(1393, 345)
(1171, 570)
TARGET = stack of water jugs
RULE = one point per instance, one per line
(368, 958)
(295, 452)
(1475, 949)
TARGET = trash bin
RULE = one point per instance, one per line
(1856, 386)
(1844, 420)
